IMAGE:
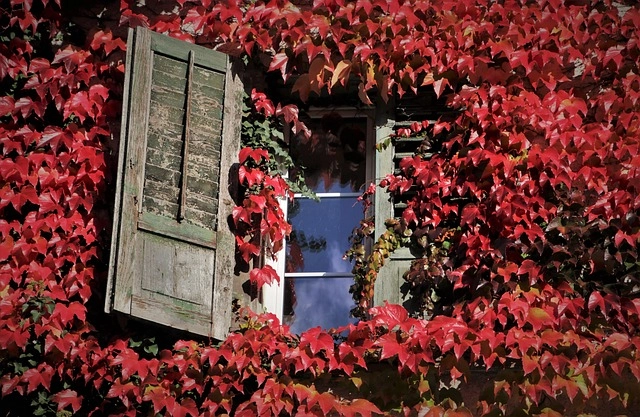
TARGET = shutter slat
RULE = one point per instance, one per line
(185, 232)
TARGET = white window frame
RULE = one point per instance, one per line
(273, 294)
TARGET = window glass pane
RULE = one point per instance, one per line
(311, 302)
(320, 234)
(334, 157)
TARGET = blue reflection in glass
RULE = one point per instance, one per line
(321, 233)
(311, 302)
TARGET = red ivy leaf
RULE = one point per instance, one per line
(257, 155)
(120, 390)
(187, 407)
(6, 247)
(440, 85)
(358, 407)
(247, 250)
(529, 364)
(325, 400)
(105, 38)
(279, 62)
(470, 213)
(240, 214)
(596, 300)
(71, 57)
(131, 19)
(78, 105)
(67, 313)
(264, 275)
(391, 315)
(34, 379)
(157, 395)
(529, 267)
(66, 398)
(290, 114)
(250, 176)
(391, 347)
(26, 105)
(27, 193)
(618, 341)
(98, 90)
(10, 385)
(262, 103)
(614, 54)
(51, 135)
(623, 237)
(7, 104)
(365, 407)
(538, 318)
(317, 340)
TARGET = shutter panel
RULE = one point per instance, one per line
(389, 280)
(172, 254)
(399, 113)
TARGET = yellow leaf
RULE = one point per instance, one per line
(341, 72)
(364, 97)
(356, 381)
(428, 79)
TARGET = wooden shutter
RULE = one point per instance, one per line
(172, 253)
(389, 280)
(396, 114)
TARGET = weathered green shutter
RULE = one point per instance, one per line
(395, 114)
(390, 278)
(172, 253)
(387, 286)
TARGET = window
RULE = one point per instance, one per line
(172, 252)
(338, 165)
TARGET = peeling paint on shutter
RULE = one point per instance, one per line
(172, 253)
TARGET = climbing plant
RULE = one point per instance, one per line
(524, 209)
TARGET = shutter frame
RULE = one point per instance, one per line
(202, 253)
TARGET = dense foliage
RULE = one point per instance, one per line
(523, 203)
